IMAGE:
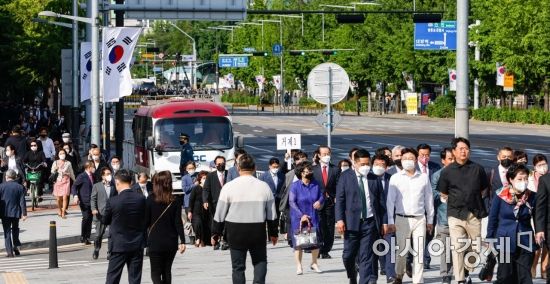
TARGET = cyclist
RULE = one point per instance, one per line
(35, 159)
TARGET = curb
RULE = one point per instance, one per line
(62, 241)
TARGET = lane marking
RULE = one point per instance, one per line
(14, 278)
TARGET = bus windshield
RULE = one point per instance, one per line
(206, 133)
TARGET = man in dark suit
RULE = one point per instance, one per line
(361, 217)
(233, 172)
(275, 178)
(497, 177)
(12, 208)
(82, 194)
(98, 162)
(425, 166)
(101, 192)
(125, 213)
(542, 217)
(380, 164)
(396, 159)
(326, 174)
(212, 188)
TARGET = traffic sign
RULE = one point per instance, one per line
(233, 61)
(277, 49)
(318, 83)
(321, 119)
(435, 36)
(249, 49)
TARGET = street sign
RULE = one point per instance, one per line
(147, 55)
(412, 103)
(249, 49)
(188, 58)
(67, 77)
(277, 49)
(233, 62)
(318, 83)
(508, 82)
(206, 10)
(289, 141)
(435, 36)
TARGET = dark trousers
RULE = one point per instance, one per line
(100, 231)
(161, 266)
(134, 262)
(326, 224)
(87, 218)
(259, 260)
(361, 243)
(518, 270)
(385, 260)
(11, 233)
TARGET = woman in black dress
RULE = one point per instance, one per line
(197, 214)
(164, 227)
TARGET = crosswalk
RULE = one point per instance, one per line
(19, 264)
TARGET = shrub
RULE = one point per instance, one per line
(444, 107)
(530, 116)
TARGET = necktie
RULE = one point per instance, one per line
(363, 197)
(275, 180)
(424, 169)
(325, 175)
(91, 179)
(220, 176)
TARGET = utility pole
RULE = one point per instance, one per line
(461, 111)
(94, 90)
(75, 120)
(119, 129)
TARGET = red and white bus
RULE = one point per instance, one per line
(156, 130)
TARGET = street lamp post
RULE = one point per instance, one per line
(94, 90)
(461, 112)
(194, 63)
(280, 22)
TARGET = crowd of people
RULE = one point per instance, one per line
(391, 197)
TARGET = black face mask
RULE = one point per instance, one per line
(183, 142)
(397, 163)
(506, 163)
(309, 176)
(220, 167)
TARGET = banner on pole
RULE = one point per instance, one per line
(118, 47)
(501, 71)
(412, 103)
(508, 82)
(452, 79)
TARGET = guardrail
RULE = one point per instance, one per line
(135, 100)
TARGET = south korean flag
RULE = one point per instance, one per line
(118, 47)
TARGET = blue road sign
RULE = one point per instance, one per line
(249, 49)
(233, 62)
(435, 36)
(277, 49)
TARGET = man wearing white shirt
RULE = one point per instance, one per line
(47, 145)
(410, 212)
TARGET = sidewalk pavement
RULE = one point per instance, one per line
(35, 231)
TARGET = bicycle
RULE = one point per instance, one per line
(34, 176)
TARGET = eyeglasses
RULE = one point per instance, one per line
(33, 145)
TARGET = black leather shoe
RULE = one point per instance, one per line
(390, 280)
(16, 252)
(82, 239)
(87, 242)
(382, 272)
(95, 255)
(10, 255)
(225, 246)
(426, 266)
(353, 280)
(325, 256)
(108, 255)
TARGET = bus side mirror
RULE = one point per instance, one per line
(239, 142)
(150, 142)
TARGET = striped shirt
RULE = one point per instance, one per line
(245, 205)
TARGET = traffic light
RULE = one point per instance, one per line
(350, 19)
(259, 53)
(153, 50)
(329, 52)
(427, 18)
(297, 52)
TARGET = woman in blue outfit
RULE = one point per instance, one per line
(511, 214)
(305, 198)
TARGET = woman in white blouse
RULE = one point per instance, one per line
(12, 162)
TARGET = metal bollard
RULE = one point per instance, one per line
(53, 246)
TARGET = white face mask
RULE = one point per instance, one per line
(379, 171)
(191, 172)
(520, 186)
(274, 171)
(8, 153)
(325, 159)
(34, 148)
(344, 168)
(116, 167)
(363, 170)
(542, 169)
(66, 140)
(108, 178)
(62, 157)
(95, 158)
(408, 165)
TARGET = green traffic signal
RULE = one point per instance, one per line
(297, 52)
(259, 53)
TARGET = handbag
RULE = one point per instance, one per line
(305, 237)
(160, 216)
(53, 176)
(486, 272)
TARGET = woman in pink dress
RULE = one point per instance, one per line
(62, 185)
